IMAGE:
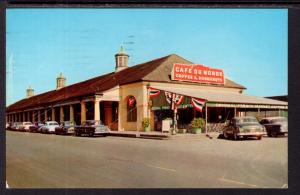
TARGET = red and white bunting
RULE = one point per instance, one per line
(153, 92)
(174, 99)
(197, 103)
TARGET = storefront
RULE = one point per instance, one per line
(154, 90)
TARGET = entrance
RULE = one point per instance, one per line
(109, 114)
(159, 116)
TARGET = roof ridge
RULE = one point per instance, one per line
(166, 58)
(156, 59)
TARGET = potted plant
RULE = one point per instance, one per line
(146, 124)
(198, 124)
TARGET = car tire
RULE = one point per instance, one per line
(273, 134)
(259, 137)
(269, 135)
(225, 135)
(235, 137)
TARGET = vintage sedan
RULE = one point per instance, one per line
(65, 128)
(16, 126)
(36, 127)
(49, 127)
(275, 126)
(91, 128)
(25, 126)
(244, 127)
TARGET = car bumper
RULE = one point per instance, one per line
(251, 134)
(100, 132)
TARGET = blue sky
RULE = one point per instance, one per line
(249, 44)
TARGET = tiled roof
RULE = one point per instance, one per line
(156, 70)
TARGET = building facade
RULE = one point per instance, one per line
(121, 99)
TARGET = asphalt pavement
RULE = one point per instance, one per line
(50, 161)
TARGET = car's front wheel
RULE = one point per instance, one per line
(235, 136)
(274, 134)
(259, 137)
(225, 135)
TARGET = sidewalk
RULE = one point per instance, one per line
(162, 136)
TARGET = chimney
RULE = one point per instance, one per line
(29, 92)
(121, 60)
(60, 81)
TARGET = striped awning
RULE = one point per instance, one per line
(225, 99)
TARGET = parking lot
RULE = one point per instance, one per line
(50, 161)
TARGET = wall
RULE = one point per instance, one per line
(139, 91)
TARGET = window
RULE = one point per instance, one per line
(131, 109)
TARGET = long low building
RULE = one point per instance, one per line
(154, 89)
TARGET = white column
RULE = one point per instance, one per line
(39, 115)
(83, 111)
(46, 115)
(206, 110)
(97, 109)
(33, 116)
(61, 115)
(52, 114)
(23, 117)
(71, 113)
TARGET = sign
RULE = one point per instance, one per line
(197, 73)
(229, 105)
(166, 125)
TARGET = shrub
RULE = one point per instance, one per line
(146, 122)
(198, 123)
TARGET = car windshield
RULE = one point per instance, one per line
(28, 123)
(246, 120)
(279, 120)
(92, 122)
(68, 123)
(53, 123)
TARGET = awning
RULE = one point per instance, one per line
(227, 99)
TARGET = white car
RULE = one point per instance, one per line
(49, 127)
(26, 125)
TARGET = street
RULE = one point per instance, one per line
(50, 161)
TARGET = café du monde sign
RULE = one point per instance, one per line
(197, 73)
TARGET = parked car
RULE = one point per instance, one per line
(7, 125)
(244, 127)
(13, 126)
(16, 126)
(25, 126)
(275, 126)
(49, 127)
(91, 128)
(36, 127)
(65, 128)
